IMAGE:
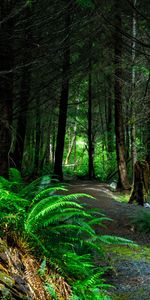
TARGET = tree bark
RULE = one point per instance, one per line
(110, 133)
(24, 92)
(141, 183)
(119, 130)
(38, 139)
(133, 129)
(63, 99)
(90, 143)
(6, 83)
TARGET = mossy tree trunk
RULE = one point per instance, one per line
(141, 183)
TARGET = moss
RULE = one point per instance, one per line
(120, 297)
(134, 252)
(140, 292)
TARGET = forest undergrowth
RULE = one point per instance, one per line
(70, 232)
(61, 231)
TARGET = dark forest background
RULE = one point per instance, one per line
(74, 87)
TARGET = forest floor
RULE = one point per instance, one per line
(130, 273)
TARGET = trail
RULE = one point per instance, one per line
(131, 275)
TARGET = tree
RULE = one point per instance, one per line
(119, 130)
(90, 142)
(64, 96)
(6, 82)
(25, 87)
(141, 183)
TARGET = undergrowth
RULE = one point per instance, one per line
(141, 222)
(59, 229)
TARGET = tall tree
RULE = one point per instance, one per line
(25, 86)
(64, 95)
(119, 128)
(6, 82)
(90, 143)
(133, 130)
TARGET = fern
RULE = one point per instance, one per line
(51, 290)
(50, 191)
(60, 229)
(52, 206)
(109, 239)
(42, 269)
(92, 287)
(14, 183)
(35, 187)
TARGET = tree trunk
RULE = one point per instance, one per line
(133, 130)
(24, 93)
(38, 138)
(127, 135)
(71, 146)
(141, 183)
(110, 133)
(90, 144)
(6, 83)
(63, 99)
(119, 130)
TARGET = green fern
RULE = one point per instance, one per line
(60, 229)
(42, 269)
(92, 287)
(51, 290)
(114, 240)
(14, 183)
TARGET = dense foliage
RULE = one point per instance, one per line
(59, 228)
(74, 87)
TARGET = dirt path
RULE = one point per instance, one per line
(131, 275)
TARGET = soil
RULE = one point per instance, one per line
(131, 265)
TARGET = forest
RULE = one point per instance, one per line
(74, 149)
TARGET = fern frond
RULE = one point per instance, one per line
(99, 221)
(7, 196)
(45, 207)
(35, 186)
(4, 183)
(114, 240)
(77, 196)
(95, 279)
(65, 215)
(48, 191)
(51, 290)
(42, 268)
(15, 176)
(91, 245)
(57, 229)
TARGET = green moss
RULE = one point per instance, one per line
(120, 297)
(134, 252)
(128, 295)
(123, 198)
